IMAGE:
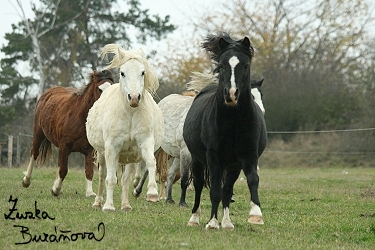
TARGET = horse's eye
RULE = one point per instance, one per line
(143, 73)
(122, 74)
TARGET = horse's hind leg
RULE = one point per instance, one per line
(197, 170)
(170, 178)
(185, 165)
(138, 189)
(63, 170)
(89, 171)
(27, 178)
(139, 173)
(37, 142)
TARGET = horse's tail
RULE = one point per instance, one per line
(206, 177)
(201, 80)
(45, 150)
(162, 164)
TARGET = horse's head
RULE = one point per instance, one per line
(258, 94)
(98, 82)
(135, 73)
(233, 65)
(102, 80)
(132, 81)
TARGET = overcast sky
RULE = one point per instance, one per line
(180, 11)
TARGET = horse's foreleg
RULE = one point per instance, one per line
(27, 178)
(102, 173)
(63, 171)
(149, 158)
(89, 171)
(125, 183)
(216, 174)
(111, 159)
(170, 178)
(255, 215)
(230, 178)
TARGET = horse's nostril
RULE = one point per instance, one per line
(139, 97)
(129, 97)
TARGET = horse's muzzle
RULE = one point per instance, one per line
(134, 100)
(231, 96)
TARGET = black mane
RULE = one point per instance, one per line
(213, 44)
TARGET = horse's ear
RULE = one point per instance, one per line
(260, 82)
(119, 54)
(246, 42)
(140, 52)
(223, 44)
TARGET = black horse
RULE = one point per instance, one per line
(225, 131)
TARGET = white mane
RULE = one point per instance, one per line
(201, 80)
(122, 56)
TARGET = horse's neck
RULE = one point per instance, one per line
(86, 100)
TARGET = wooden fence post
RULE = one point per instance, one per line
(18, 160)
(10, 150)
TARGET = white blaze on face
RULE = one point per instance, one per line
(258, 99)
(233, 63)
(104, 86)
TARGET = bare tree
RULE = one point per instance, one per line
(35, 31)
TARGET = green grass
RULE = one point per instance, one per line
(303, 208)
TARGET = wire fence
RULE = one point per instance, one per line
(19, 151)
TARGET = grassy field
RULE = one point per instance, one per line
(303, 208)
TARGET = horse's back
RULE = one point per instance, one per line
(56, 115)
(53, 98)
(174, 108)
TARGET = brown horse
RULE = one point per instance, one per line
(60, 117)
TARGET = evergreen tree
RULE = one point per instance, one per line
(63, 41)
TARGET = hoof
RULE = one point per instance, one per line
(152, 197)
(228, 227)
(96, 205)
(126, 208)
(136, 194)
(92, 194)
(183, 204)
(24, 184)
(213, 224)
(192, 224)
(169, 201)
(56, 194)
(108, 209)
(256, 219)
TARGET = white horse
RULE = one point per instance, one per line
(125, 126)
